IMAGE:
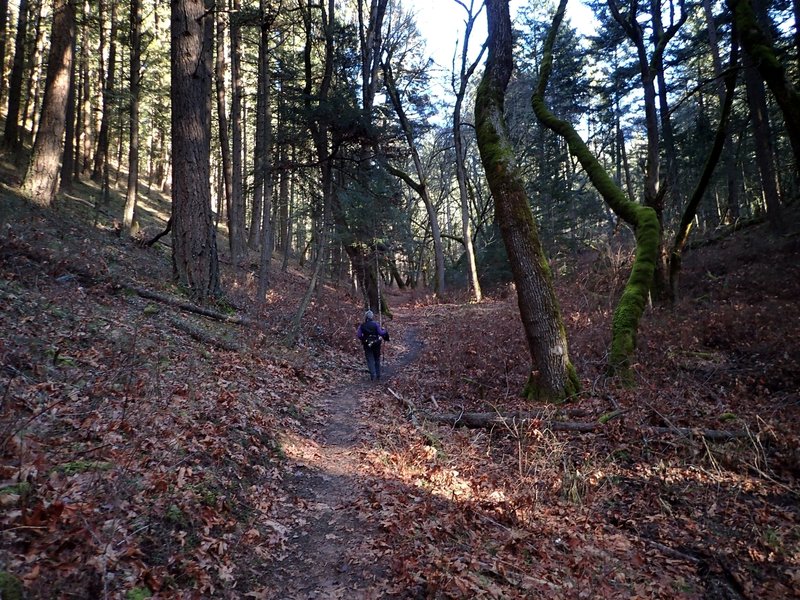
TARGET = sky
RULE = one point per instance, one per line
(441, 23)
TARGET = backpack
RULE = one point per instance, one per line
(371, 336)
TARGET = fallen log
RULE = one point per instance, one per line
(186, 306)
(484, 420)
(487, 420)
(204, 336)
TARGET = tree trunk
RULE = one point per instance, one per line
(729, 156)
(3, 29)
(466, 72)
(107, 76)
(36, 60)
(765, 154)
(194, 247)
(265, 108)
(41, 179)
(68, 161)
(87, 105)
(12, 140)
(236, 216)
(752, 23)
(690, 211)
(131, 197)
(555, 378)
(649, 69)
(642, 219)
(222, 119)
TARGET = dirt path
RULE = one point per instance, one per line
(332, 543)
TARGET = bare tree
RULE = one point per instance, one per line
(460, 89)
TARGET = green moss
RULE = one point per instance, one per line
(644, 220)
(138, 594)
(175, 516)
(83, 466)
(10, 587)
(19, 489)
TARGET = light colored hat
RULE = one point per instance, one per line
(369, 315)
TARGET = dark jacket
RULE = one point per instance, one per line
(369, 330)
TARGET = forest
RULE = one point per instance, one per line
(583, 242)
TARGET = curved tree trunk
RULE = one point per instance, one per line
(41, 178)
(651, 69)
(728, 154)
(643, 219)
(555, 378)
(690, 211)
(420, 186)
(194, 247)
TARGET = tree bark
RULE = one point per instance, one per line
(762, 140)
(265, 176)
(752, 24)
(649, 69)
(222, 119)
(68, 161)
(41, 179)
(643, 220)
(12, 140)
(107, 77)
(87, 112)
(131, 196)
(3, 29)
(236, 215)
(555, 378)
(465, 73)
(194, 247)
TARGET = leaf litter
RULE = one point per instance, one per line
(136, 458)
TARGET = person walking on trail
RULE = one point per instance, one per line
(371, 335)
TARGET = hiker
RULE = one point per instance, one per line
(371, 334)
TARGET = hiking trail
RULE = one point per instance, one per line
(332, 543)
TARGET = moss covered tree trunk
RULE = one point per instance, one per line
(642, 219)
(554, 377)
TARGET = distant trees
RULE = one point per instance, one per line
(319, 139)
